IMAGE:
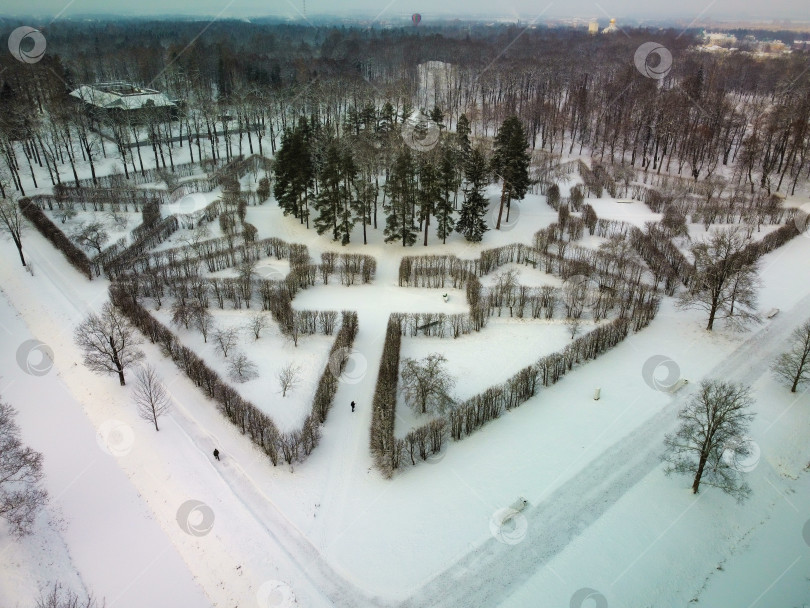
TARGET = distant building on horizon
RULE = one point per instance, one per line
(612, 28)
(593, 27)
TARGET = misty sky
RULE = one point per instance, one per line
(391, 9)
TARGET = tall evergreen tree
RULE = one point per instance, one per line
(399, 224)
(345, 216)
(510, 162)
(471, 221)
(429, 192)
(447, 183)
(366, 194)
(295, 172)
(463, 135)
(284, 187)
(329, 198)
(437, 116)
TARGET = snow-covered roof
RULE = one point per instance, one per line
(121, 95)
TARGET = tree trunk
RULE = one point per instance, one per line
(22, 259)
(427, 224)
(500, 211)
(699, 474)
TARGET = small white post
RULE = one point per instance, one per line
(445, 297)
(597, 394)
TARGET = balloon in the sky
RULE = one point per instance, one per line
(416, 18)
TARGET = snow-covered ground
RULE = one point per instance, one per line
(332, 532)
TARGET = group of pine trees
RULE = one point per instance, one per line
(334, 182)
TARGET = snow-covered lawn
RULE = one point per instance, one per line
(270, 354)
(82, 218)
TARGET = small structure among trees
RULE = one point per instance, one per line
(118, 97)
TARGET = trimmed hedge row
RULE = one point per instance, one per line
(51, 231)
(289, 447)
(473, 413)
(384, 403)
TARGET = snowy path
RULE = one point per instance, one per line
(346, 433)
(494, 570)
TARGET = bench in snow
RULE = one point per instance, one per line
(625, 200)
(513, 509)
(427, 326)
(674, 388)
(772, 313)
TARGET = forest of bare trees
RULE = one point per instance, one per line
(247, 84)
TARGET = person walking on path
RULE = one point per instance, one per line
(216, 453)
(352, 405)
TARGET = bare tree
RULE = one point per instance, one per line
(118, 219)
(21, 496)
(288, 377)
(226, 339)
(92, 236)
(794, 365)
(725, 280)
(713, 423)
(241, 369)
(66, 212)
(247, 270)
(11, 222)
(426, 383)
(150, 395)
(203, 320)
(109, 342)
(59, 597)
(574, 326)
(258, 321)
(181, 312)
